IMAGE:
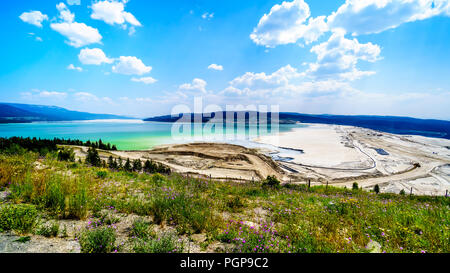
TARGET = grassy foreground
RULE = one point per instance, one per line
(177, 214)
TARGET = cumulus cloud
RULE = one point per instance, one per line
(374, 16)
(94, 56)
(113, 12)
(145, 80)
(215, 67)
(338, 57)
(33, 17)
(131, 66)
(287, 23)
(85, 96)
(72, 67)
(78, 34)
(263, 81)
(64, 13)
(196, 85)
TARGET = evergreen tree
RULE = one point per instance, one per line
(93, 158)
(137, 165)
(127, 167)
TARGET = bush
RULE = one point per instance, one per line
(140, 229)
(66, 154)
(235, 203)
(272, 181)
(166, 243)
(376, 189)
(98, 240)
(20, 218)
(102, 174)
(49, 230)
(355, 186)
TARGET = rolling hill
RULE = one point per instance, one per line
(21, 113)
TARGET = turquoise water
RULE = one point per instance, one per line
(126, 135)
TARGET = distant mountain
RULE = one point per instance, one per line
(390, 124)
(19, 113)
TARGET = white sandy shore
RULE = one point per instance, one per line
(343, 155)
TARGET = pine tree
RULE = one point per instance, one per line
(127, 167)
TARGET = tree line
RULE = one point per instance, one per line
(15, 145)
(119, 164)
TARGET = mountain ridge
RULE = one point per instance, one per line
(389, 124)
(23, 113)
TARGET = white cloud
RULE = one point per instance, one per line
(287, 23)
(145, 80)
(196, 85)
(261, 80)
(215, 67)
(85, 96)
(113, 12)
(64, 13)
(33, 17)
(207, 15)
(338, 57)
(38, 94)
(72, 67)
(94, 56)
(131, 66)
(374, 16)
(58, 95)
(79, 34)
(74, 2)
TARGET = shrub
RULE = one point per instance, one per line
(66, 154)
(102, 174)
(355, 186)
(98, 240)
(376, 189)
(49, 230)
(20, 218)
(271, 181)
(189, 214)
(235, 203)
(166, 243)
(140, 229)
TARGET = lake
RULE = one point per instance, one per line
(129, 134)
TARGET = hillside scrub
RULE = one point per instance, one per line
(250, 218)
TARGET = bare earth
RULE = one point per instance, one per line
(337, 155)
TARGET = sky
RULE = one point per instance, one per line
(141, 58)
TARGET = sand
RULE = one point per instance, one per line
(342, 155)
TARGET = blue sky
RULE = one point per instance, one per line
(140, 58)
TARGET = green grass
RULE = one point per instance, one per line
(48, 230)
(98, 239)
(20, 218)
(299, 219)
(166, 243)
